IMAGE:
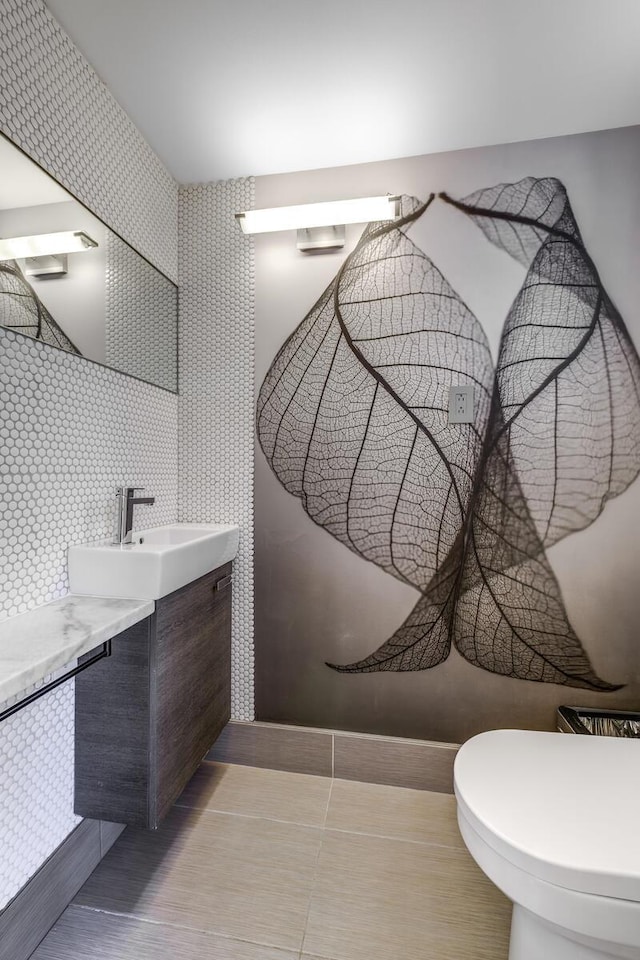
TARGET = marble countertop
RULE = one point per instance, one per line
(35, 644)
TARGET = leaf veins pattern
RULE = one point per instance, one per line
(22, 310)
(352, 418)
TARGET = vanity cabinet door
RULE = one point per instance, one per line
(111, 732)
(147, 715)
(190, 682)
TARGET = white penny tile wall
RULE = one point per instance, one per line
(36, 787)
(69, 429)
(54, 106)
(70, 432)
(216, 278)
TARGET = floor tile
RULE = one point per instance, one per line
(394, 812)
(82, 934)
(311, 956)
(381, 899)
(237, 876)
(294, 797)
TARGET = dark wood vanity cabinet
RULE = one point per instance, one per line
(146, 715)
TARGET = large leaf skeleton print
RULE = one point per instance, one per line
(353, 420)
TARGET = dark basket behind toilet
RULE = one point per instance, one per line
(604, 723)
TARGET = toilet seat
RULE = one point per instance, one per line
(588, 917)
(562, 809)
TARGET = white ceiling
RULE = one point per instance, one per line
(225, 88)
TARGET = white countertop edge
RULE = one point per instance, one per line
(36, 644)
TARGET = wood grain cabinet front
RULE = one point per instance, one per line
(147, 715)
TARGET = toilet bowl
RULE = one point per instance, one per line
(554, 822)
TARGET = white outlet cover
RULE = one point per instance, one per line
(461, 403)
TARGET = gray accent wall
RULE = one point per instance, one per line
(316, 600)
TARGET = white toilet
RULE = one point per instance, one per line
(554, 821)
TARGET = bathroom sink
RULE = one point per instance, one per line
(159, 560)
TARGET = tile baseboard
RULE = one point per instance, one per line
(27, 919)
(109, 833)
(276, 747)
(419, 764)
(394, 761)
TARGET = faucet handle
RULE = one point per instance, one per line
(128, 491)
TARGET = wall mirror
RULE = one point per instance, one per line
(69, 281)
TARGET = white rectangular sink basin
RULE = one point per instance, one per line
(158, 561)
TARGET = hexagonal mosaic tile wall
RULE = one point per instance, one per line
(54, 106)
(216, 421)
(36, 794)
(69, 430)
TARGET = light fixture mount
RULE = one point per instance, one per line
(47, 267)
(309, 239)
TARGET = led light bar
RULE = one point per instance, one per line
(45, 244)
(332, 213)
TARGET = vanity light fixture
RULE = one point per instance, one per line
(45, 254)
(320, 226)
(46, 244)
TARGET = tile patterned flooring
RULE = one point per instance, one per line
(257, 864)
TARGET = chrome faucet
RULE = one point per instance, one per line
(127, 500)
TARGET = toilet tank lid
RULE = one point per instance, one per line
(564, 808)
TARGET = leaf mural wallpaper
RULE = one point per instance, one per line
(353, 420)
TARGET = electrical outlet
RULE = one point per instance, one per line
(461, 404)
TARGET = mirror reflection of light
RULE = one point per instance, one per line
(46, 244)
